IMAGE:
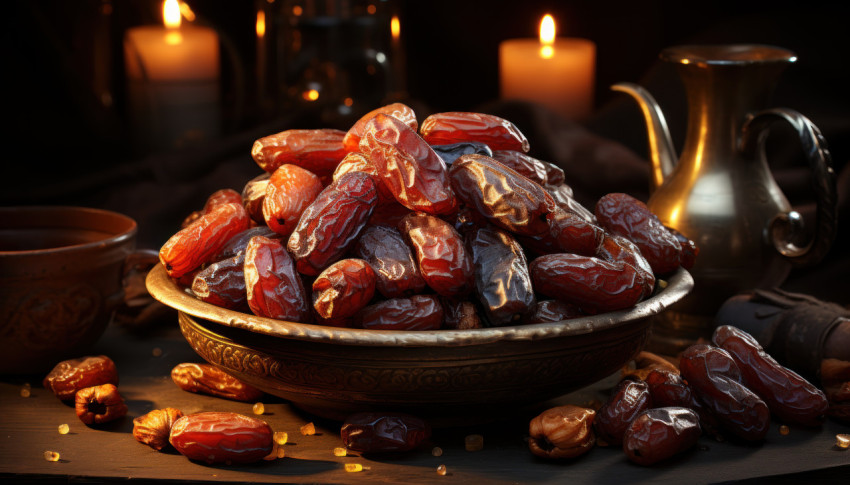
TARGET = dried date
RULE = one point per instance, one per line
(372, 432)
(395, 268)
(667, 388)
(660, 433)
(70, 376)
(629, 399)
(716, 380)
(459, 126)
(618, 248)
(789, 396)
(99, 404)
(419, 312)
(273, 287)
(502, 281)
(460, 314)
(562, 432)
(253, 194)
(222, 437)
(443, 259)
(550, 311)
(358, 162)
(399, 111)
(332, 222)
(209, 379)
(317, 150)
(573, 234)
(524, 164)
(343, 289)
(501, 195)
(408, 166)
(154, 427)
(590, 283)
(289, 191)
(222, 283)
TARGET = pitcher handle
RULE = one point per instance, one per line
(783, 227)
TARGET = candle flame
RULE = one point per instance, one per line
(395, 27)
(171, 14)
(261, 23)
(547, 36)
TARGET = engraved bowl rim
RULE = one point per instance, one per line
(164, 289)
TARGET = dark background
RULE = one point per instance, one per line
(64, 146)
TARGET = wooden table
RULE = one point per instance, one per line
(108, 453)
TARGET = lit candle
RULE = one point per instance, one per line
(555, 72)
(173, 79)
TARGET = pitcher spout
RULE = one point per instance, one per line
(661, 151)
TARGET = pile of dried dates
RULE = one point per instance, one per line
(729, 388)
(396, 226)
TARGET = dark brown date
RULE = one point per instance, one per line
(273, 287)
(408, 166)
(690, 250)
(628, 400)
(419, 312)
(626, 216)
(573, 234)
(391, 259)
(668, 388)
(660, 433)
(526, 165)
(563, 196)
(443, 259)
(253, 194)
(195, 244)
(343, 289)
(222, 437)
(550, 311)
(222, 283)
(69, 376)
(237, 244)
(289, 191)
(593, 284)
(332, 222)
(502, 281)
(618, 248)
(790, 397)
(99, 404)
(317, 150)
(383, 432)
(460, 314)
(716, 380)
(458, 126)
(209, 379)
(399, 111)
(501, 195)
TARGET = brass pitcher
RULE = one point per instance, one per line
(721, 193)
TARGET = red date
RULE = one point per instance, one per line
(343, 289)
(658, 434)
(399, 111)
(443, 259)
(419, 312)
(209, 379)
(383, 432)
(318, 150)
(273, 287)
(618, 248)
(574, 234)
(629, 399)
(222, 437)
(69, 376)
(458, 126)
(289, 191)
(789, 396)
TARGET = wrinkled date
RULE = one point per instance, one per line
(289, 191)
(501, 195)
(443, 259)
(548, 311)
(562, 432)
(154, 427)
(419, 312)
(209, 379)
(591, 283)
(502, 281)
(562, 194)
(222, 283)
(332, 222)
(357, 162)
(318, 150)
(789, 396)
(236, 245)
(408, 166)
(629, 399)
(343, 288)
(458, 126)
(253, 194)
(69, 376)
(626, 216)
(99, 404)
(716, 379)
(690, 250)
(383, 432)
(528, 166)
(660, 433)
(221, 437)
(273, 287)
(460, 314)
(618, 248)
(195, 244)
(396, 270)
(399, 111)
(573, 234)
(668, 388)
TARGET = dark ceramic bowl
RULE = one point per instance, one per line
(451, 376)
(61, 273)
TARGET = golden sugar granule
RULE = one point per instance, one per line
(51, 456)
(64, 429)
(308, 429)
(436, 451)
(474, 442)
(784, 430)
(441, 470)
(842, 441)
(340, 451)
(156, 352)
(353, 467)
(281, 437)
(25, 392)
(259, 408)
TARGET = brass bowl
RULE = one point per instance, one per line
(450, 376)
